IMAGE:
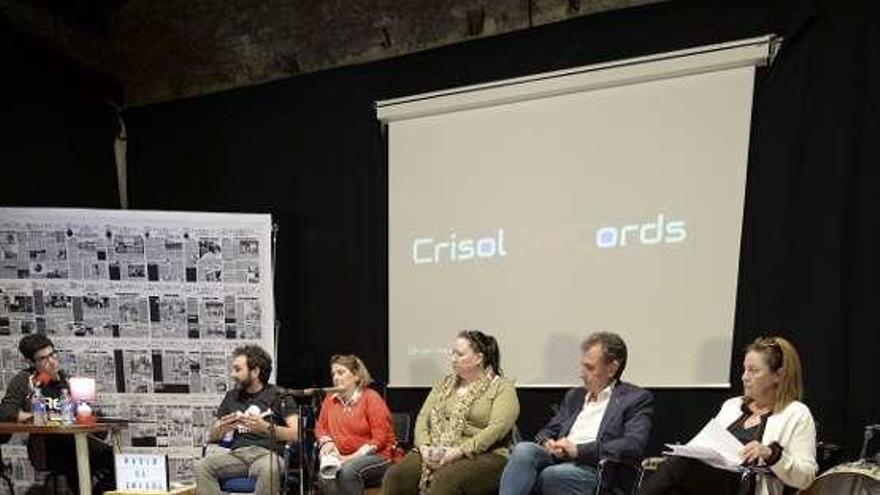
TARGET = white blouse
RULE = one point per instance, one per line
(793, 428)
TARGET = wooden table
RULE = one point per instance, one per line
(80, 436)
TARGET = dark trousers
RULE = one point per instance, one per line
(478, 475)
(683, 476)
(57, 454)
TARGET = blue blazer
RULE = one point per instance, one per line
(623, 433)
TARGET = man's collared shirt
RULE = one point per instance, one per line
(586, 427)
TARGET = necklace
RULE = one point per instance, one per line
(348, 402)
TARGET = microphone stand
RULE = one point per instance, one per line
(305, 476)
(282, 397)
(306, 479)
(301, 451)
(283, 394)
(305, 464)
(272, 427)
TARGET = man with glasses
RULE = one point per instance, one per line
(45, 374)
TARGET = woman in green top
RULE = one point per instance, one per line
(464, 427)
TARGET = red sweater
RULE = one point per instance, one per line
(368, 420)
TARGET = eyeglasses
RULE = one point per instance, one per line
(46, 358)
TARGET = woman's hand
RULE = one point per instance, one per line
(755, 452)
(327, 446)
(425, 452)
(363, 450)
(451, 455)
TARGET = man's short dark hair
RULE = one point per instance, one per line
(613, 349)
(256, 358)
(30, 344)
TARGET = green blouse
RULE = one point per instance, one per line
(489, 422)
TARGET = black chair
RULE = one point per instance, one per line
(245, 484)
(402, 423)
(750, 476)
(618, 477)
(825, 453)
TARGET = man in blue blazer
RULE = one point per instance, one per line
(606, 418)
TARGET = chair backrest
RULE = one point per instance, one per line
(380, 387)
(515, 436)
(402, 422)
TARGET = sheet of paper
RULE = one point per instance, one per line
(713, 445)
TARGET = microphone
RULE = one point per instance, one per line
(309, 392)
(42, 379)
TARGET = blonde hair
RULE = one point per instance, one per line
(782, 358)
(355, 365)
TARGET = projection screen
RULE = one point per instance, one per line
(545, 208)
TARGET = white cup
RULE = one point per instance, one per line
(330, 464)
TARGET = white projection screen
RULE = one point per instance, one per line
(542, 209)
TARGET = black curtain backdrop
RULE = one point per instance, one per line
(309, 151)
(58, 129)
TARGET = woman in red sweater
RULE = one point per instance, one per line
(354, 431)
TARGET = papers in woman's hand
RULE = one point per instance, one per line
(713, 445)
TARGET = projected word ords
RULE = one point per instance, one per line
(667, 232)
(427, 250)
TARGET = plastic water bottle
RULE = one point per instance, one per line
(68, 408)
(39, 409)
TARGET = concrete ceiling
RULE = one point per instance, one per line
(167, 49)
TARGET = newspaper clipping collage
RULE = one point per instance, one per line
(150, 304)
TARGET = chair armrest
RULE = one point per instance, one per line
(617, 473)
(756, 470)
(612, 463)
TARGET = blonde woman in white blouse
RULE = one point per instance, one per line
(777, 430)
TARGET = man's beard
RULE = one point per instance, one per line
(244, 384)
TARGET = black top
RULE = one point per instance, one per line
(18, 398)
(746, 435)
(18, 394)
(266, 399)
(743, 434)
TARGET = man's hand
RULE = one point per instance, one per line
(228, 420)
(24, 416)
(255, 424)
(555, 448)
(564, 449)
(226, 423)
